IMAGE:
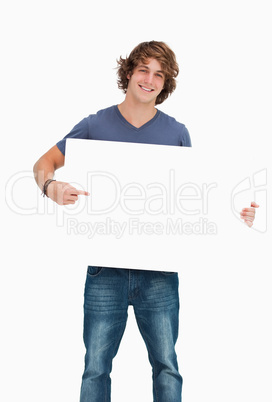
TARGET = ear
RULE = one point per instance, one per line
(128, 76)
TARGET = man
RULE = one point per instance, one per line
(147, 77)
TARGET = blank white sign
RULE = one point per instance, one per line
(150, 207)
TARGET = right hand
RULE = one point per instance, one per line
(63, 193)
(248, 214)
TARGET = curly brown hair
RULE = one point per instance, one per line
(140, 54)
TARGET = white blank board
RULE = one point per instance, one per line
(150, 207)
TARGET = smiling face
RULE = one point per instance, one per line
(146, 82)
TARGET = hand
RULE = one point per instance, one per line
(248, 214)
(63, 193)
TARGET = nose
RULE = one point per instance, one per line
(148, 78)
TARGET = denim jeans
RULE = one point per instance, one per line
(154, 297)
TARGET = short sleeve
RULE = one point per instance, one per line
(185, 138)
(81, 130)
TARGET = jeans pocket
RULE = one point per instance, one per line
(94, 271)
(168, 273)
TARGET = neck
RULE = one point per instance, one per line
(137, 114)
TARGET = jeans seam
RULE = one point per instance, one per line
(114, 352)
(105, 389)
(154, 370)
(95, 275)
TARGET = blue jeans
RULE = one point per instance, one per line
(154, 297)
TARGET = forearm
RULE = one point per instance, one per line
(60, 192)
(43, 170)
(46, 166)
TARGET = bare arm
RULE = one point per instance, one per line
(60, 192)
(46, 166)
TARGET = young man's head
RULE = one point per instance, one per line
(141, 56)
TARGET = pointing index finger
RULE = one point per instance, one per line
(79, 192)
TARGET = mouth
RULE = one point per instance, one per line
(146, 89)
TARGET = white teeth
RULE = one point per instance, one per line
(146, 89)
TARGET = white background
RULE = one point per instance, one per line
(58, 66)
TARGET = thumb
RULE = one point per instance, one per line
(254, 204)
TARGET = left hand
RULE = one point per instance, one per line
(248, 214)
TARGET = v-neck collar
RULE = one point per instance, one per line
(129, 125)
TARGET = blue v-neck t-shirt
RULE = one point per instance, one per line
(109, 125)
